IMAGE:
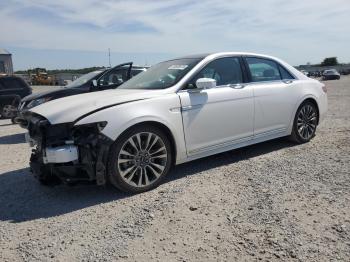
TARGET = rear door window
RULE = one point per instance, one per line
(2, 67)
(285, 74)
(12, 83)
(263, 70)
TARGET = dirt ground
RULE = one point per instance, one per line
(268, 202)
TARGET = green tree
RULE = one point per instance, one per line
(330, 61)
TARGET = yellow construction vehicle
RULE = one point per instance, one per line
(39, 76)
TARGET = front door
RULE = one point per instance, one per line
(115, 76)
(214, 118)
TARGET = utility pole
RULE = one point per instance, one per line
(109, 57)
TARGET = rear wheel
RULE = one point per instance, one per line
(140, 159)
(305, 123)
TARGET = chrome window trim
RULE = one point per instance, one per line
(266, 82)
(204, 65)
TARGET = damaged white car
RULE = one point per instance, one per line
(177, 111)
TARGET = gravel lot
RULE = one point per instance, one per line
(273, 201)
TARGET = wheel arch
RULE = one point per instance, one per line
(314, 102)
(304, 99)
(162, 127)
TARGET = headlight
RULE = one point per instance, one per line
(37, 102)
(86, 130)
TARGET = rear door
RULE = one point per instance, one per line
(11, 91)
(273, 95)
(12, 86)
(2, 92)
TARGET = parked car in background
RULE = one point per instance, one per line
(305, 73)
(345, 72)
(330, 74)
(103, 79)
(12, 90)
(315, 74)
(177, 111)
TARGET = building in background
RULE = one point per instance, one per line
(6, 66)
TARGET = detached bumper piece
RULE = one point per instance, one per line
(67, 153)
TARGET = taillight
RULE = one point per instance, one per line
(324, 88)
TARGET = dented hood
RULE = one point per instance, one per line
(69, 109)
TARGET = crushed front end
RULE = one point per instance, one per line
(66, 152)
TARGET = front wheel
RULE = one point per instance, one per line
(8, 111)
(305, 123)
(139, 159)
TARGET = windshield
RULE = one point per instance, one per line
(331, 71)
(83, 79)
(162, 75)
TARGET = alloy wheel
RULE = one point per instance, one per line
(142, 159)
(307, 121)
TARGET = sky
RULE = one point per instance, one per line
(78, 33)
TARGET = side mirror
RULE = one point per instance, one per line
(94, 83)
(205, 83)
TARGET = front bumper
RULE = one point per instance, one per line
(20, 115)
(67, 152)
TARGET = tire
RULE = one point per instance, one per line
(140, 159)
(305, 123)
(7, 111)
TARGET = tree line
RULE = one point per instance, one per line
(58, 71)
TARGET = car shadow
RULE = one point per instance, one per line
(7, 124)
(12, 139)
(22, 198)
(226, 158)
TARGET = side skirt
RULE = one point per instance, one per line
(254, 140)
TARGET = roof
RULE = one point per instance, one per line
(218, 54)
(4, 52)
(199, 56)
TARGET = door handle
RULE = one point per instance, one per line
(237, 86)
(287, 81)
(191, 107)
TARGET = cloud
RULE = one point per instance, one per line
(298, 31)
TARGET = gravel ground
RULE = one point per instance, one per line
(272, 201)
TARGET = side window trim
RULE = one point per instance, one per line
(246, 69)
(269, 59)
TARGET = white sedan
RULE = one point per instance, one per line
(177, 111)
